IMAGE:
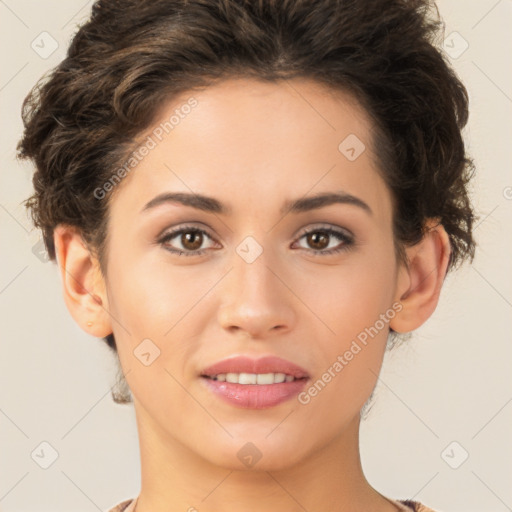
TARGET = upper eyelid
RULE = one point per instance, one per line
(302, 231)
(337, 229)
(176, 230)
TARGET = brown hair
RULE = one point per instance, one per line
(132, 55)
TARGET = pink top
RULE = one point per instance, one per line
(402, 505)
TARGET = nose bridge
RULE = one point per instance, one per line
(253, 298)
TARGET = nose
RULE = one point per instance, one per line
(255, 299)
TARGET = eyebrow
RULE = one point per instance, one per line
(198, 201)
(324, 199)
(210, 204)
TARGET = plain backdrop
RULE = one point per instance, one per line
(440, 427)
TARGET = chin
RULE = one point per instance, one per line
(255, 453)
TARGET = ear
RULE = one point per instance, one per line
(419, 283)
(83, 283)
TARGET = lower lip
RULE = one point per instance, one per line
(255, 396)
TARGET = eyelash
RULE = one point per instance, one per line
(347, 240)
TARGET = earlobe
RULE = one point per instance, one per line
(419, 284)
(83, 285)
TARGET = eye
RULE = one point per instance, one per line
(320, 239)
(189, 240)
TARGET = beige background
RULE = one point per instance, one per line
(451, 382)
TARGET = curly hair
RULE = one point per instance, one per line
(131, 56)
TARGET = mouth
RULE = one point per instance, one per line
(250, 383)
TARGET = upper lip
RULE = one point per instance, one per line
(245, 364)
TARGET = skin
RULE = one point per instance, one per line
(252, 145)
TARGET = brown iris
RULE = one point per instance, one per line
(318, 239)
(192, 240)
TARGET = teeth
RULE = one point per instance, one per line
(253, 378)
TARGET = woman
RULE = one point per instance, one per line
(249, 201)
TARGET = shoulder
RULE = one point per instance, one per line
(407, 506)
(414, 506)
(124, 506)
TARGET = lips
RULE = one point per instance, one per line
(264, 365)
(249, 383)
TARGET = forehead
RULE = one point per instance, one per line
(249, 139)
(274, 114)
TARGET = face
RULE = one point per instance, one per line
(259, 269)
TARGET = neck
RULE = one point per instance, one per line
(331, 479)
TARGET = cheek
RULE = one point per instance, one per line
(151, 324)
(357, 306)
(354, 296)
(151, 296)
(152, 300)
